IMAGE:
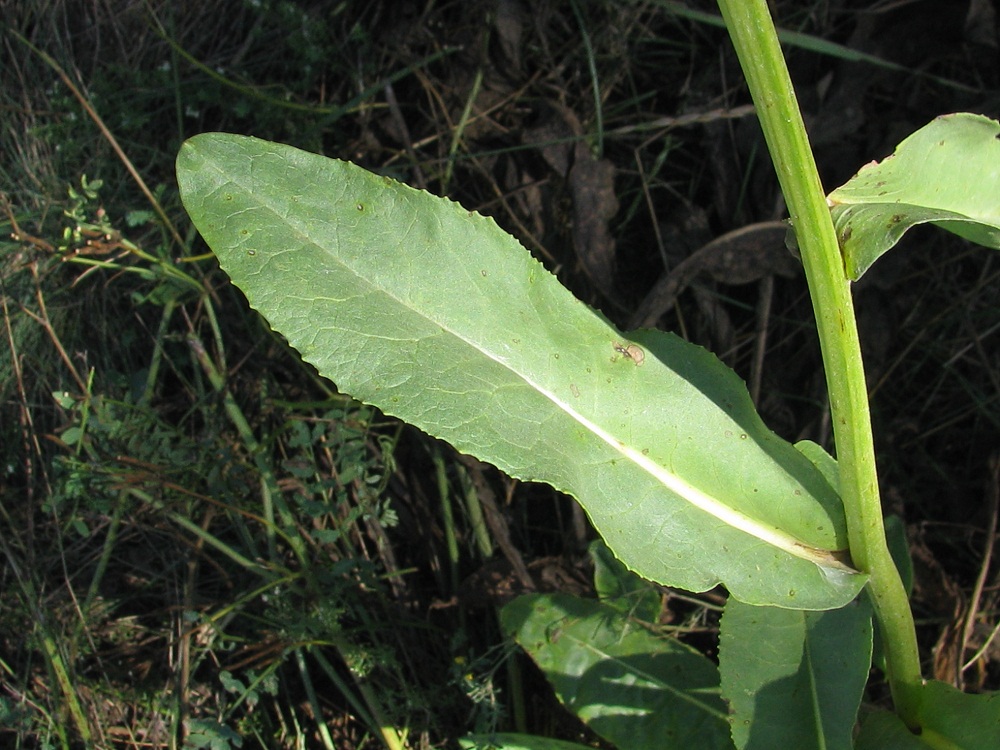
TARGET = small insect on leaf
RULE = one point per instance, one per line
(631, 351)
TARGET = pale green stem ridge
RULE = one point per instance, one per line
(756, 42)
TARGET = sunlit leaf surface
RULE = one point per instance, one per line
(950, 719)
(432, 313)
(947, 173)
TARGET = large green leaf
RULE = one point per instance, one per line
(947, 173)
(949, 719)
(800, 683)
(433, 314)
(636, 690)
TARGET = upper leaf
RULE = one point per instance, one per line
(433, 314)
(947, 173)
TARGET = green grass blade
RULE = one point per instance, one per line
(816, 44)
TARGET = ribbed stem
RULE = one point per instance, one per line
(756, 42)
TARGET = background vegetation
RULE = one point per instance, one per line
(152, 429)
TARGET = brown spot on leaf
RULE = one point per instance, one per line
(631, 351)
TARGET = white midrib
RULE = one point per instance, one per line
(697, 498)
(677, 485)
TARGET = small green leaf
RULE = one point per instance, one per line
(208, 733)
(138, 218)
(634, 689)
(947, 174)
(794, 679)
(64, 399)
(435, 315)
(72, 435)
(971, 722)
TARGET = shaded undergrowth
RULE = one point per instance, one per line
(205, 545)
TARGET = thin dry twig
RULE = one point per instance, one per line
(977, 591)
(110, 138)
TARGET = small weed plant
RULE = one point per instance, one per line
(433, 314)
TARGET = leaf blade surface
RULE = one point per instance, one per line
(947, 173)
(794, 679)
(433, 314)
(949, 720)
(632, 688)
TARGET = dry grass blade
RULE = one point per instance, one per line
(975, 600)
(112, 141)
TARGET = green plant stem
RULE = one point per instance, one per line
(457, 134)
(756, 42)
(477, 517)
(107, 549)
(153, 374)
(598, 145)
(371, 711)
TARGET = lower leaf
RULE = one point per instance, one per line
(637, 690)
(949, 720)
(794, 679)
(435, 315)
